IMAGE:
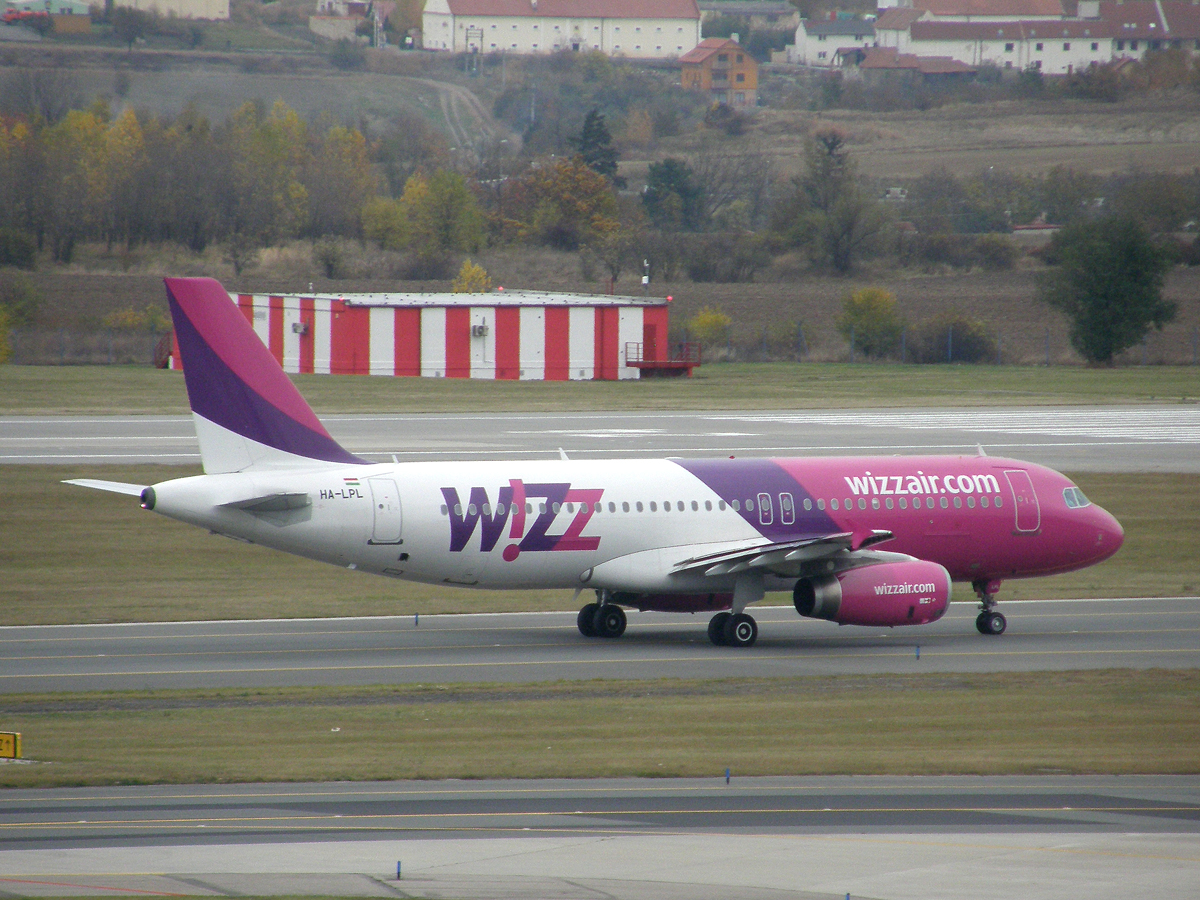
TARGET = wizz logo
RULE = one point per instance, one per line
(511, 509)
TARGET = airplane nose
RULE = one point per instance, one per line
(1109, 534)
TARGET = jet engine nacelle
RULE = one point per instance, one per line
(898, 593)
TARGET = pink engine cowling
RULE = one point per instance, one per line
(913, 592)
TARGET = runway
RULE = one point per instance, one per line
(1072, 438)
(1038, 838)
(529, 647)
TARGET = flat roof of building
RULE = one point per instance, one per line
(491, 298)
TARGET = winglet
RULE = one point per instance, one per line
(248, 413)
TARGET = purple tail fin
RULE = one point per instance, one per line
(248, 413)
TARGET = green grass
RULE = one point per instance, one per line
(69, 554)
(40, 390)
(1117, 722)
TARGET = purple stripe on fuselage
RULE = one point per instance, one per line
(222, 396)
(744, 479)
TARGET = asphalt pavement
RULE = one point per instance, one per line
(1067, 438)
(1037, 838)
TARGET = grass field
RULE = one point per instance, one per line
(1116, 722)
(73, 555)
(100, 390)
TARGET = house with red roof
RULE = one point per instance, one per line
(723, 70)
(1085, 32)
(640, 29)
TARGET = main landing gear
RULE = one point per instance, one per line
(601, 620)
(732, 630)
(988, 621)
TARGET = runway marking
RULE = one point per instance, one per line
(369, 667)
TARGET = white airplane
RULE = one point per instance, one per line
(680, 535)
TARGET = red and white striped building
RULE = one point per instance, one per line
(529, 335)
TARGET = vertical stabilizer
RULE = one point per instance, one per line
(248, 413)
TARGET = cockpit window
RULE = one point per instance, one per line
(1075, 498)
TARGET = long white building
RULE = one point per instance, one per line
(641, 29)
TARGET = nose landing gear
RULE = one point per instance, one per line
(988, 621)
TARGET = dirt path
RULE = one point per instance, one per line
(467, 120)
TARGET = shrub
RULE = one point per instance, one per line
(5, 348)
(725, 259)
(347, 55)
(710, 326)
(17, 249)
(870, 322)
(995, 252)
(19, 299)
(328, 255)
(952, 338)
(471, 279)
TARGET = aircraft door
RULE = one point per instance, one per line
(385, 502)
(1028, 513)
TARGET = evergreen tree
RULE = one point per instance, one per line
(595, 146)
(673, 199)
(1109, 283)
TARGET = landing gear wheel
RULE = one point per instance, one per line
(992, 623)
(741, 631)
(716, 628)
(610, 621)
(587, 620)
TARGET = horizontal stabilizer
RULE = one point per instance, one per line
(272, 503)
(115, 487)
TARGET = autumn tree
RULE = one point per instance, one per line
(1108, 282)
(870, 322)
(472, 278)
(566, 204)
(441, 214)
(340, 181)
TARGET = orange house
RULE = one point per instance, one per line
(723, 70)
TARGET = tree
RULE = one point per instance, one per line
(340, 181)
(595, 146)
(828, 213)
(5, 347)
(870, 322)
(1109, 283)
(566, 204)
(472, 278)
(674, 198)
(442, 214)
(129, 24)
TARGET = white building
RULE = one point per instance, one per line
(1095, 31)
(641, 29)
(819, 40)
(181, 9)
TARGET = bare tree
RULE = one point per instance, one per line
(733, 181)
(41, 92)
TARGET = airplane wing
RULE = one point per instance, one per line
(770, 554)
(116, 487)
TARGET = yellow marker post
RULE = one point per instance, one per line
(10, 745)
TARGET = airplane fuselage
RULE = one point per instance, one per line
(622, 525)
